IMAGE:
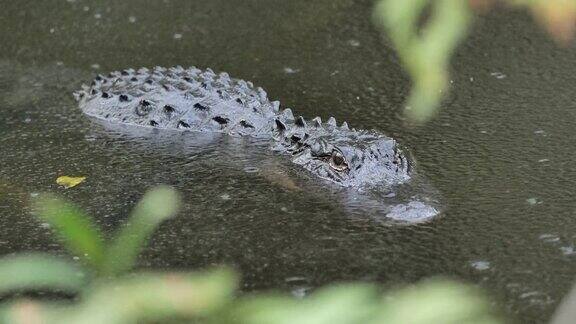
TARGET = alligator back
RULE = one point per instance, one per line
(178, 98)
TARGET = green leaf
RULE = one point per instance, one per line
(426, 52)
(157, 205)
(343, 304)
(155, 297)
(73, 227)
(28, 311)
(36, 272)
(437, 301)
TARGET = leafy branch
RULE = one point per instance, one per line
(425, 51)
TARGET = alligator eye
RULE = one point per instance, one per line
(337, 161)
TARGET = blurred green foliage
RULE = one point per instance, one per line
(106, 293)
(425, 51)
(430, 302)
(425, 33)
(84, 239)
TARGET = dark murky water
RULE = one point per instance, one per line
(501, 152)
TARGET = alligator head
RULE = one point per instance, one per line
(347, 157)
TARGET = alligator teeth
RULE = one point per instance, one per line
(344, 126)
(300, 121)
(275, 106)
(317, 121)
(331, 121)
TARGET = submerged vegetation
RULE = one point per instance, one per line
(99, 287)
(425, 50)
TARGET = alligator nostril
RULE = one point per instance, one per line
(153, 123)
(123, 98)
(106, 95)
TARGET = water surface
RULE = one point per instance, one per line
(500, 153)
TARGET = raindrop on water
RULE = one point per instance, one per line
(251, 169)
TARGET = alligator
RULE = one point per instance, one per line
(371, 167)
(190, 99)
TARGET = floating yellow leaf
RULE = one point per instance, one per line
(69, 182)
